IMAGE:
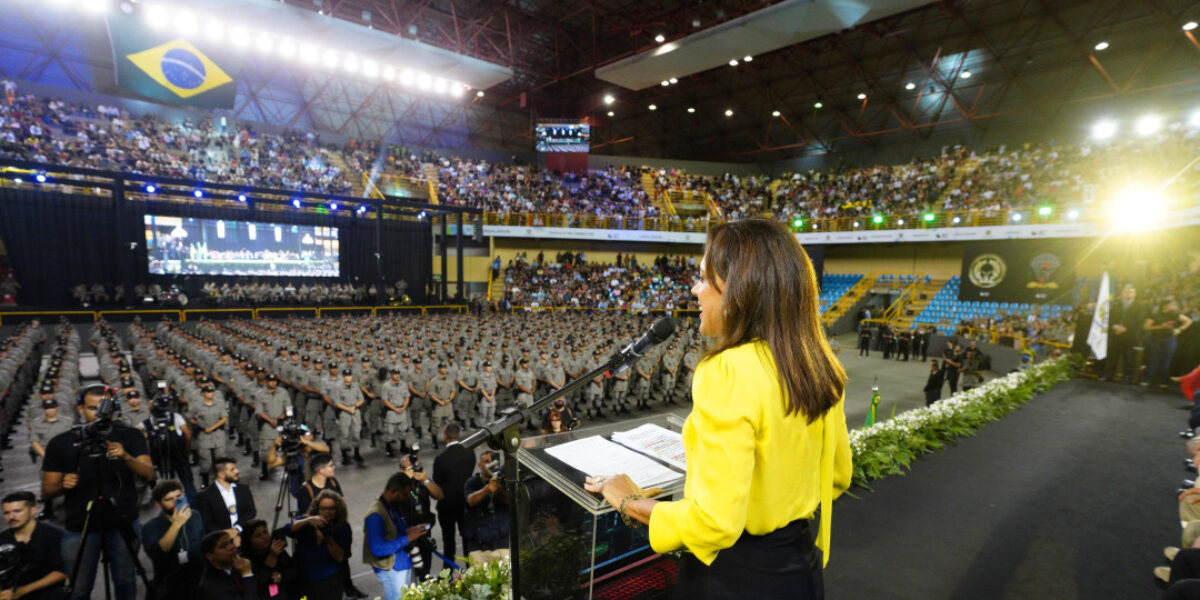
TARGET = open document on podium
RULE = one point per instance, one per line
(655, 441)
(597, 456)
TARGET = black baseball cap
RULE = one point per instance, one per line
(347, 372)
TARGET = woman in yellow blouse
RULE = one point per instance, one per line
(766, 442)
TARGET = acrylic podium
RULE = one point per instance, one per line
(573, 545)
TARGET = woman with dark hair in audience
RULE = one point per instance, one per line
(274, 568)
(324, 539)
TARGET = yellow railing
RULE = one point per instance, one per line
(856, 291)
(1020, 342)
(491, 278)
(675, 312)
(377, 186)
(254, 313)
(906, 297)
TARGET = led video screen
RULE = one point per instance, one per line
(186, 246)
(563, 137)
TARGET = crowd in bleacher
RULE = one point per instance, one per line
(571, 281)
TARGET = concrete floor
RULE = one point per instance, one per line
(900, 385)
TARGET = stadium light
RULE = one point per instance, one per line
(1190, 25)
(1016, 217)
(350, 63)
(611, 113)
(877, 219)
(198, 193)
(798, 223)
(96, 7)
(929, 217)
(774, 113)
(862, 96)
(370, 68)
(691, 110)
(157, 16)
(608, 99)
(264, 43)
(653, 107)
(956, 220)
(1148, 125)
(1137, 207)
(673, 81)
(1045, 211)
(900, 222)
(733, 63)
(965, 75)
(333, 206)
(1104, 129)
(17, 180)
(440, 86)
(240, 36)
(389, 73)
(747, 58)
(185, 21)
(424, 81)
(150, 189)
(214, 30)
(296, 203)
(1101, 47)
(910, 86)
(856, 224)
(309, 53)
(407, 77)
(241, 197)
(330, 59)
(818, 105)
(729, 112)
(421, 215)
(479, 94)
(1073, 214)
(457, 89)
(40, 177)
(665, 83)
(287, 47)
(660, 38)
(814, 225)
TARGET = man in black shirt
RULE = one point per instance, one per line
(952, 362)
(109, 479)
(418, 507)
(451, 469)
(486, 524)
(40, 546)
(322, 479)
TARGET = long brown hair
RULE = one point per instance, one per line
(771, 294)
(341, 512)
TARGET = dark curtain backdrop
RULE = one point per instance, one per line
(57, 241)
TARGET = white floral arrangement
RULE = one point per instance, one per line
(487, 581)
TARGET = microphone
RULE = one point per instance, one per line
(658, 333)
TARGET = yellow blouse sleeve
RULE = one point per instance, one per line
(713, 514)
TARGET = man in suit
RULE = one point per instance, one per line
(1125, 319)
(224, 505)
(226, 575)
(451, 469)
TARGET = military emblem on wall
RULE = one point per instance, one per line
(987, 271)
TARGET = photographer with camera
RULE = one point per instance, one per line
(98, 460)
(323, 546)
(169, 438)
(172, 541)
(485, 527)
(31, 563)
(387, 537)
(417, 508)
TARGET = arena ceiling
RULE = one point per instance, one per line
(1027, 60)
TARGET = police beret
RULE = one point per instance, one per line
(347, 372)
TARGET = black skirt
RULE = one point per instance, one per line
(783, 564)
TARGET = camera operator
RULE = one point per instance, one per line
(172, 541)
(417, 508)
(98, 460)
(38, 548)
(485, 527)
(307, 446)
(387, 538)
(170, 438)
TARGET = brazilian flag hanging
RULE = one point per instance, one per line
(873, 411)
(165, 66)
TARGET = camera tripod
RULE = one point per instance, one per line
(291, 470)
(127, 537)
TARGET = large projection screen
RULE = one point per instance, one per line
(187, 246)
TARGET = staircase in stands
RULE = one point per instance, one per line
(849, 299)
(356, 185)
(916, 304)
(660, 199)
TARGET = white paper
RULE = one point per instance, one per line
(597, 456)
(655, 441)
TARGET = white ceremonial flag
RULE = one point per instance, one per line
(1098, 335)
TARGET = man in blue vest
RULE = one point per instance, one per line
(386, 538)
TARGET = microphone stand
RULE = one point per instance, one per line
(504, 434)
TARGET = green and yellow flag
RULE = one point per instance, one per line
(164, 66)
(873, 411)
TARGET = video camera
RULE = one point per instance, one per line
(414, 460)
(290, 434)
(90, 437)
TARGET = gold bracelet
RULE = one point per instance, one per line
(629, 522)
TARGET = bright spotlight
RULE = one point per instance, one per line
(333, 206)
(407, 77)
(729, 112)
(608, 99)
(185, 22)
(733, 63)
(774, 113)
(96, 7)
(673, 81)
(653, 107)
(240, 36)
(424, 81)
(818, 105)
(1136, 208)
(665, 83)
(157, 16)
(150, 189)
(747, 58)
(900, 222)
(660, 38)
(296, 203)
(370, 68)
(287, 47)
(1102, 46)
(350, 63)
(440, 86)
(198, 193)
(691, 110)
(1195, 120)
(241, 197)
(1045, 211)
(877, 219)
(263, 43)
(1073, 214)
(479, 94)
(956, 220)
(862, 96)
(213, 30)
(330, 59)
(929, 217)
(910, 86)
(965, 75)
(18, 180)
(40, 177)
(798, 223)
(1190, 25)
(611, 113)
(1016, 217)
(309, 53)
(856, 224)
(457, 89)
(1104, 130)
(389, 73)
(1148, 125)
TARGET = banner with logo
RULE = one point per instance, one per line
(165, 65)
(1041, 271)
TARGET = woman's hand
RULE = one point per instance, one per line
(617, 487)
